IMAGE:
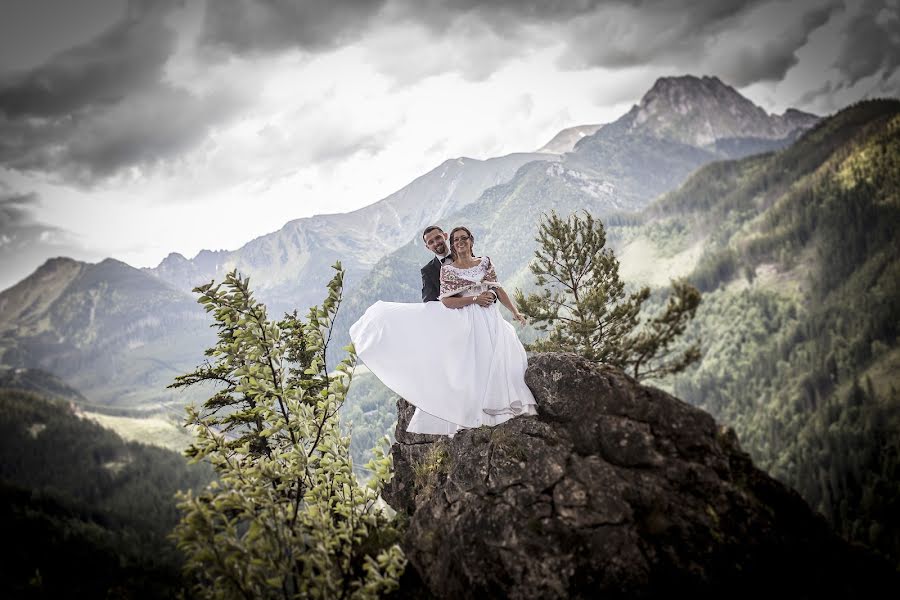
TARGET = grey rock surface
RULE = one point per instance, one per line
(613, 489)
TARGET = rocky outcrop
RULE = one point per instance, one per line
(701, 110)
(614, 489)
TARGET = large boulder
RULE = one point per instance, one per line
(614, 489)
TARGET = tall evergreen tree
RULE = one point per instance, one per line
(585, 309)
(287, 517)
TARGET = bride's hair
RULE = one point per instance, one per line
(471, 239)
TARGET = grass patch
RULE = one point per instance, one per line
(156, 431)
(434, 465)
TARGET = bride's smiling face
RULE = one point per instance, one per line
(461, 240)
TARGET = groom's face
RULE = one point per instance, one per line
(436, 241)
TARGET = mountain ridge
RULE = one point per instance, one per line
(303, 250)
(565, 140)
(617, 169)
(115, 333)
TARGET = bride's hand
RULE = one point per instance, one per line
(521, 319)
(484, 299)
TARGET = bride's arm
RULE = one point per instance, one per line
(505, 301)
(484, 299)
(502, 296)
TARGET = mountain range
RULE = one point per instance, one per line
(619, 169)
(785, 222)
(289, 267)
(121, 334)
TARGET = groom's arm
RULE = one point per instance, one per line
(430, 291)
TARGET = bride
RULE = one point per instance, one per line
(458, 361)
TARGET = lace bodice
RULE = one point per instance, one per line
(468, 282)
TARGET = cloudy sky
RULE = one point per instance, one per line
(136, 128)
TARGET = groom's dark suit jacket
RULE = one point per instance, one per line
(431, 279)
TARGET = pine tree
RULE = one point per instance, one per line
(585, 309)
(287, 517)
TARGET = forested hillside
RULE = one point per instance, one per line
(114, 332)
(86, 515)
(801, 274)
(369, 413)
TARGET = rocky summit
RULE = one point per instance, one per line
(614, 489)
(703, 110)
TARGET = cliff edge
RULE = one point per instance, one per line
(614, 489)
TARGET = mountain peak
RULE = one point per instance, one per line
(173, 257)
(56, 263)
(113, 263)
(683, 88)
(39, 290)
(687, 82)
(53, 269)
(565, 140)
(703, 110)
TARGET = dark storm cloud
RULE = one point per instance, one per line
(810, 96)
(770, 59)
(24, 242)
(613, 34)
(14, 210)
(18, 227)
(145, 131)
(871, 43)
(127, 57)
(104, 106)
(19, 231)
(476, 37)
(262, 25)
(266, 25)
(690, 35)
(503, 16)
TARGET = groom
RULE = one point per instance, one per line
(436, 241)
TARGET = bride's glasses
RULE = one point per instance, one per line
(462, 238)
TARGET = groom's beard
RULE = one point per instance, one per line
(441, 251)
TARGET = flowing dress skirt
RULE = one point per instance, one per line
(460, 367)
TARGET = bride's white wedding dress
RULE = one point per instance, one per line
(461, 368)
